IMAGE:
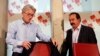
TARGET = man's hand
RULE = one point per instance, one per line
(54, 41)
(26, 44)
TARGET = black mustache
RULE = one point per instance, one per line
(72, 23)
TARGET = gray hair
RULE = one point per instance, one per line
(27, 7)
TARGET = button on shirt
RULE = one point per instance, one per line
(18, 32)
(75, 34)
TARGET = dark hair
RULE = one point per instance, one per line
(77, 15)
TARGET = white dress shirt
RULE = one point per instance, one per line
(75, 34)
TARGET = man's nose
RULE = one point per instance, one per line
(30, 16)
(71, 21)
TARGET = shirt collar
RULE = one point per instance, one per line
(79, 27)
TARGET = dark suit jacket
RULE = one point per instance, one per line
(86, 35)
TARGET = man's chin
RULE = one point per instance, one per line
(74, 27)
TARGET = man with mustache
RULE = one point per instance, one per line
(78, 34)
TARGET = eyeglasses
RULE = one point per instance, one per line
(29, 14)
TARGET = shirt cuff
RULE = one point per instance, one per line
(19, 43)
